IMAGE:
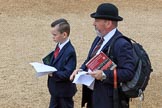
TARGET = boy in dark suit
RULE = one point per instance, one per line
(63, 58)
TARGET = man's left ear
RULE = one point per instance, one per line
(108, 24)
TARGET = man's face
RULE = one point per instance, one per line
(57, 36)
(100, 25)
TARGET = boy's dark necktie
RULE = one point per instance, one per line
(97, 47)
(56, 52)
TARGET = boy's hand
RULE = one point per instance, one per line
(50, 75)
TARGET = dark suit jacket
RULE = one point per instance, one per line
(59, 84)
(103, 90)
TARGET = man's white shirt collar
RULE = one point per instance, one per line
(107, 37)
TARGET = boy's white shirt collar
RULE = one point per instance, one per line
(63, 44)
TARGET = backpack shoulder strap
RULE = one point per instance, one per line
(110, 48)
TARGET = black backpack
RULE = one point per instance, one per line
(137, 85)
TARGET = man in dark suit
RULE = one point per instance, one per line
(105, 22)
(63, 58)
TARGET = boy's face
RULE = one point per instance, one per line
(57, 36)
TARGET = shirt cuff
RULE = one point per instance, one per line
(103, 76)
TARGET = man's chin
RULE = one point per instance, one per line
(98, 33)
(55, 41)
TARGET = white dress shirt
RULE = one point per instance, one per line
(61, 45)
(107, 37)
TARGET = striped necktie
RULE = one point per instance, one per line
(97, 47)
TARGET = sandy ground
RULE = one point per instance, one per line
(25, 37)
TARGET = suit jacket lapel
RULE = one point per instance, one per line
(117, 33)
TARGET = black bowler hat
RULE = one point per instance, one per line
(107, 11)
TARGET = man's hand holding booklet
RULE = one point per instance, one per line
(98, 62)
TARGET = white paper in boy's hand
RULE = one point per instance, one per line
(84, 78)
(42, 69)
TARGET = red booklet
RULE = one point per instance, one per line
(100, 62)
